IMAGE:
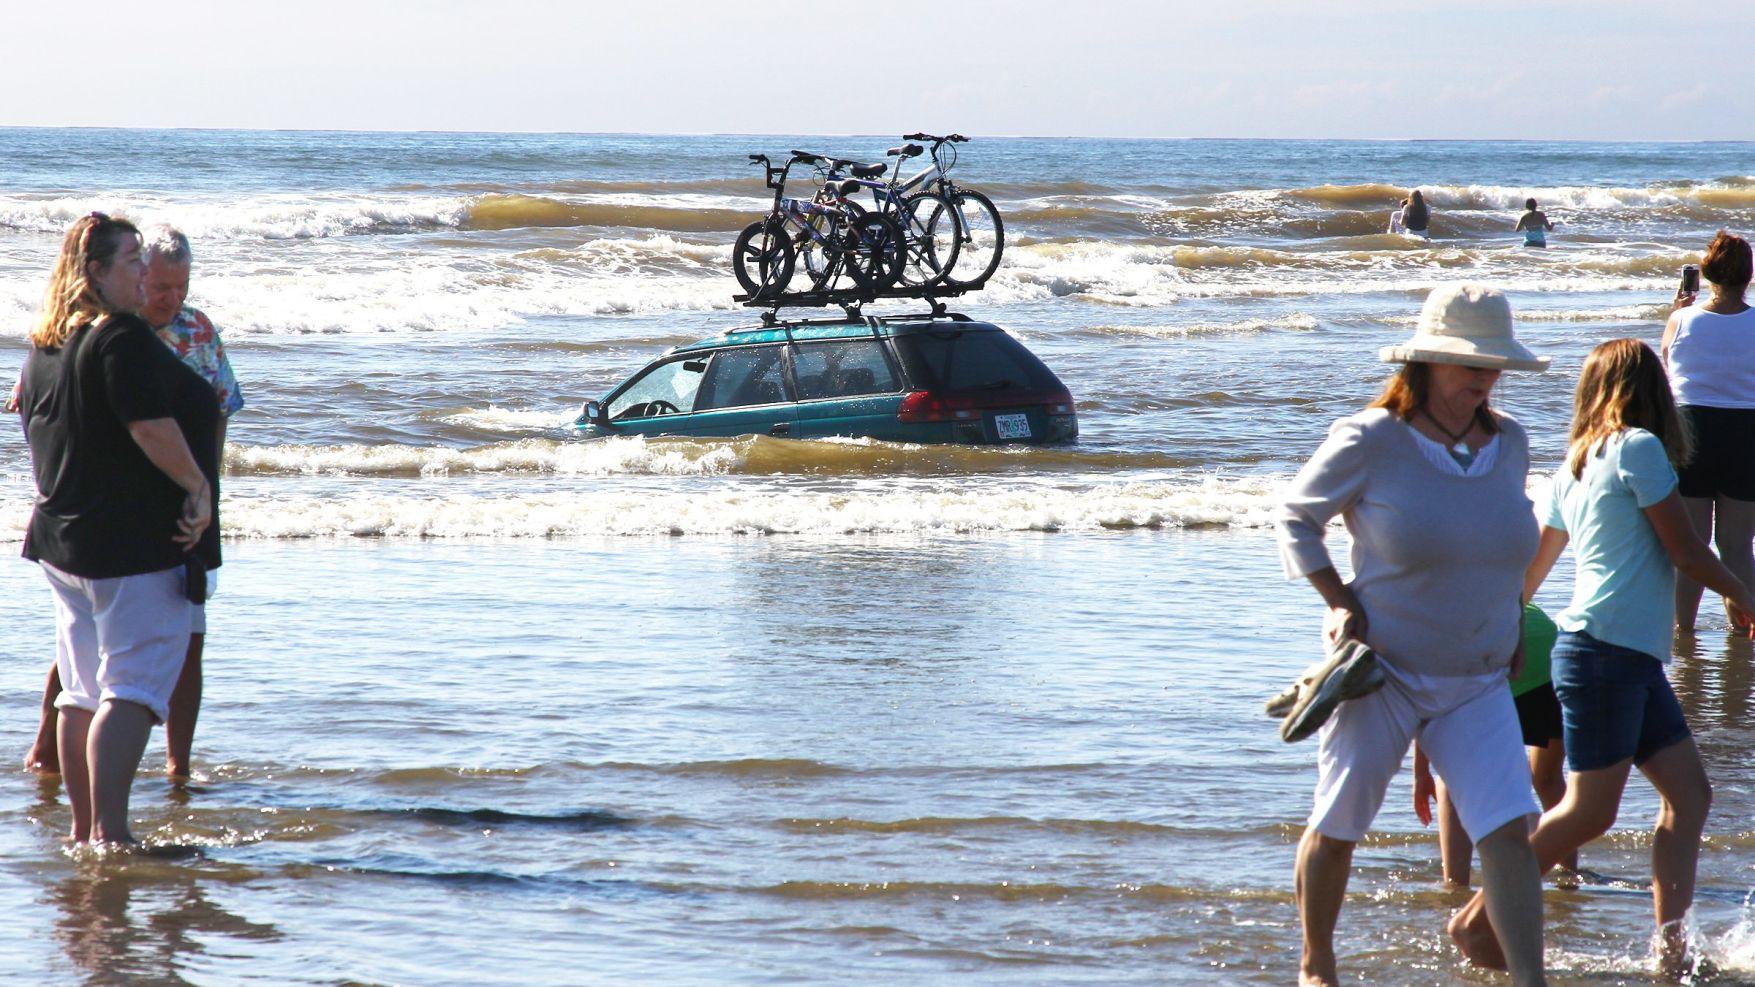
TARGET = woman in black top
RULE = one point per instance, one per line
(1417, 217)
(123, 448)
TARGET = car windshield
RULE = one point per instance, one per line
(973, 360)
(667, 389)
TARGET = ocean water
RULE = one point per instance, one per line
(487, 703)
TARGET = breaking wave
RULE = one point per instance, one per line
(499, 212)
(1136, 505)
(263, 217)
(750, 455)
(1724, 194)
(1295, 322)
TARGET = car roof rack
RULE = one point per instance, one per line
(851, 300)
(772, 320)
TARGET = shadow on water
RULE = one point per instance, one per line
(586, 821)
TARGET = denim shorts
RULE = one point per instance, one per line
(1615, 703)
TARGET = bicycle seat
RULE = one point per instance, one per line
(806, 156)
(868, 170)
(906, 151)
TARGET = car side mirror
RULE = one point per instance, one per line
(592, 413)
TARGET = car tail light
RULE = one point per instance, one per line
(925, 406)
(934, 406)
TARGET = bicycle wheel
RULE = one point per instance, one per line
(929, 254)
(762, 258)
(818, 255)
(982, 233)
(872, 253)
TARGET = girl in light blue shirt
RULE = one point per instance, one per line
(1615, 501)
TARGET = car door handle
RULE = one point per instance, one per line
(780, 429)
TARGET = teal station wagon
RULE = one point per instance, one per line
(920, 378)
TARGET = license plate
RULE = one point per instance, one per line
(1012, 426)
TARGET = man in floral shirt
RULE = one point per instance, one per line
(192, 337)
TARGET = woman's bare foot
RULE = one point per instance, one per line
(1677, 961)
(1473, 934)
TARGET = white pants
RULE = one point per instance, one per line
(1466, 725)
(121, 638)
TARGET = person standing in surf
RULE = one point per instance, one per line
(195, 341)
(1616, 501)
(1534, 225)
(1429, 481)
(1416, 216)
(1710, 351)
(123, 451)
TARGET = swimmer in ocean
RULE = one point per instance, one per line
(1417, 216)
(1534, 225)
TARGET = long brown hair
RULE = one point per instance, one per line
(1416, 215)
(1406, 393)
(72, 301)
(1728, 261)
(1622, 386)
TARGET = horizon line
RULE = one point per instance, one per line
(731, 133)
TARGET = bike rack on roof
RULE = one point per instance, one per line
(772, 321)
(851, 300)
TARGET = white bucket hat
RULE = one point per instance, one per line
(1468, 325)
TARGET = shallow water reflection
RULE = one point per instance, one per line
(139, 921)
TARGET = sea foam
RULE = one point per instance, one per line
(729, 511)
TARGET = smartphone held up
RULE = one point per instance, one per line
(1690, 279)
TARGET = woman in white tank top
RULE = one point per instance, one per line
(1710, 352)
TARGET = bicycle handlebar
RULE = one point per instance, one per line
(947, 139)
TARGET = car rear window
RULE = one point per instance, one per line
(844, 368)
(973, 360)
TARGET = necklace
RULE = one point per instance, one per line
(1458, 447)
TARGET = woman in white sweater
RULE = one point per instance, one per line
(1429, 481)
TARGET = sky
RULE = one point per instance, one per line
(1600, 70)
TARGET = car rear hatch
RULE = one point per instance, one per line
(985, 383)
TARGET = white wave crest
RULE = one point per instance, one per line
(1296, 322)
(494, 418)
(608, 457)
(1137, 505)
(290, 216)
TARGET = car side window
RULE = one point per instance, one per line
(667, 389)
(842, 368)
(743, 376)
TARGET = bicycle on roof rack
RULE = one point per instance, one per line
(971, 214)
(848, 253)
(929, 250)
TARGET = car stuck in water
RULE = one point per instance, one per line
(929, 378)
